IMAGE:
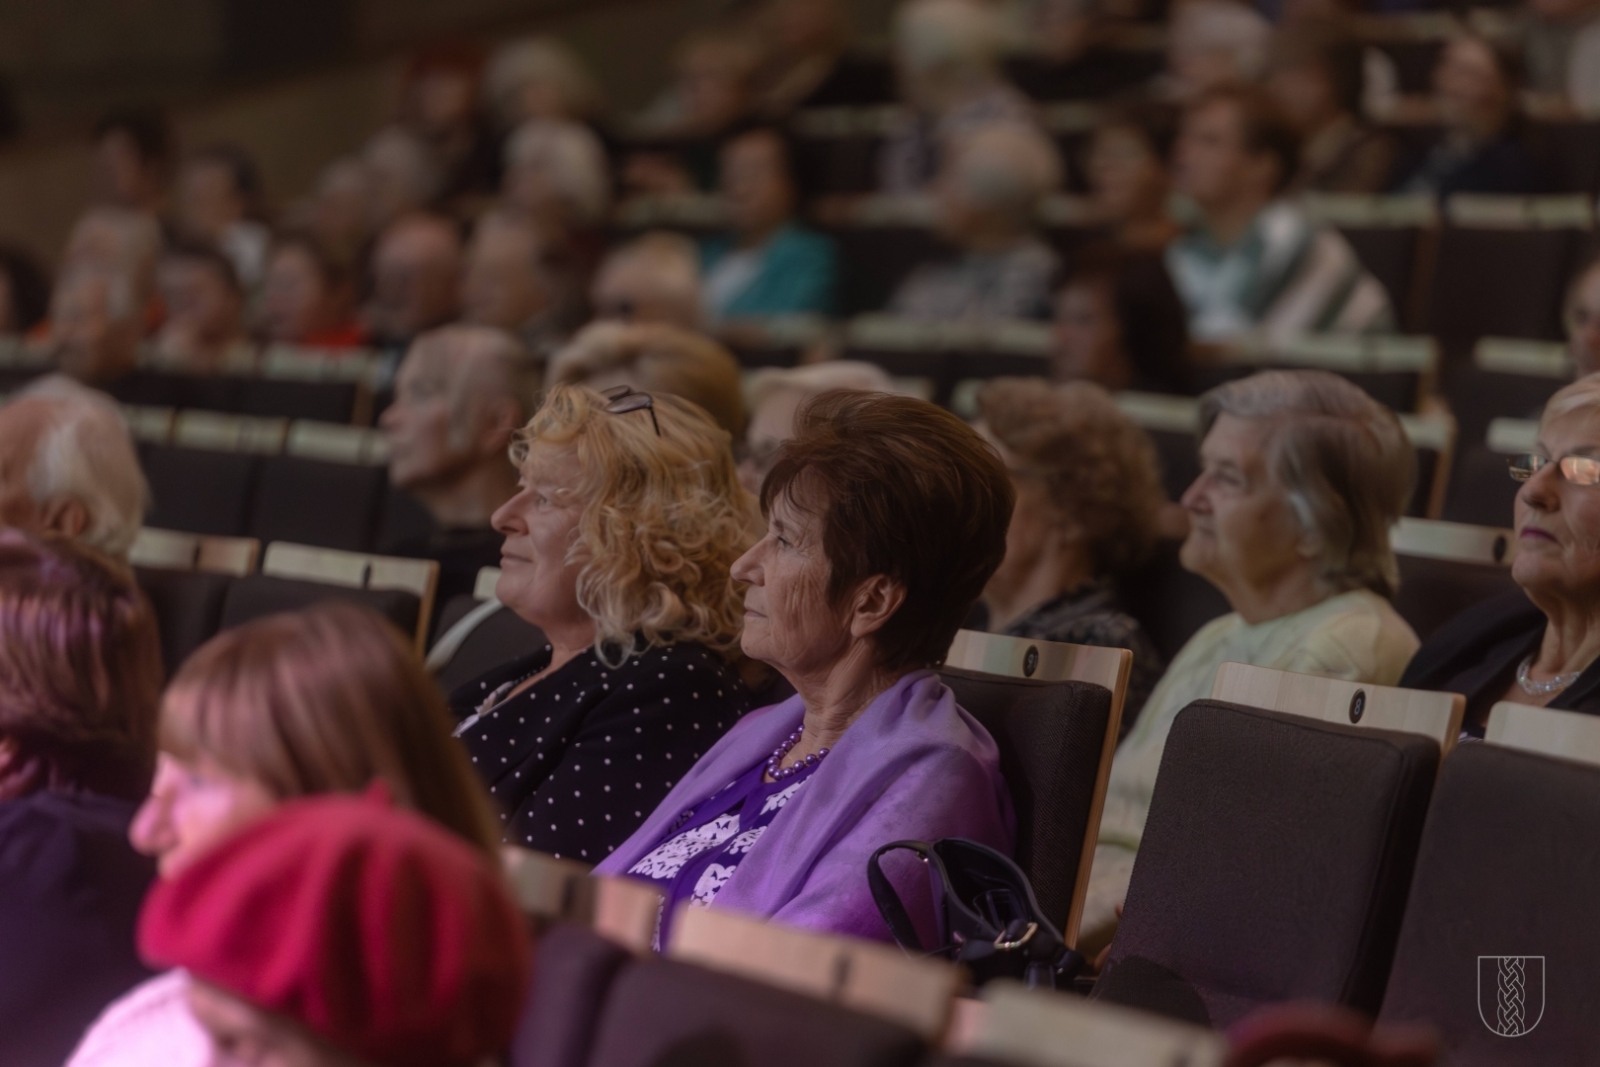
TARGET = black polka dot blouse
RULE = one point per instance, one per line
(576, 761)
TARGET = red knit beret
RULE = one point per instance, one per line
(379, 931)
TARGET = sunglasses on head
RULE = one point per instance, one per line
(622, 399)
(1579, 470)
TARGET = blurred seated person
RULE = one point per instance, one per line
(806, 61)
(558, 175)
(1213, 44)
(24, 292)
(947, 62)
(515, 281)
(403, 175)
(308, 296)
(340, 213)
(655, 358)
(1088, 498)
(1128, 167)
(461, 393)
(439, 102)
(1582, 319)
(712, 90)
(1476, 89)
(770, 264)
(1119, 323)
(132, 162)
(1539, 646)
(988, 200)
(775, 396)
(416, 279)
(220, 203)
(343, 931)
(80, 675)
(539, 78)
(68, 467)
(96, 323)
(124, 242)
(1316, 77)
(1250, 262)
(654, 278)
(326, 700)
(1302, 477)
(205, 309)
(1561, 46)
(854, 614)
(618, 544)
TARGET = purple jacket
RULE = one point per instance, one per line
(913, 765)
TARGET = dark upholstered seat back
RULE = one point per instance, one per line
(1050, 736)
(1433, 591)
(255, 595)
(573, 970)
(1508, 867)
(500, 638)
(188, 608)
(316, 502)
(200, 491)
(1276, 858)
(662, 1011)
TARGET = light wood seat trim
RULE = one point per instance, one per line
(1036, 1028)
(555, 890)
(1493, 211)
(1456, 541)
(1058, 661)
(1160, 412)
(1402, 212)
(229, 433)
(863, 975)
(358, 570)
(1569, 735)
(336, 442)
(146, 423)
(178, 550)
(1510, 437)
(1387, 354)
(1383, 707)
(282, 362)
(1534, 359)
(483, 585)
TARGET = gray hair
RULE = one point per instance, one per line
(668, 263)
(405, 161)
(1007, 167)
(122, 293)
(953, 38)
(486, 362)
(572, 161)
(813, 378)
(539, 59)
(87, 454)
(1342, 461)
(1577, 396)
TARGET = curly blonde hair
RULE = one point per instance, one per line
(1098, 467)
(663, 519)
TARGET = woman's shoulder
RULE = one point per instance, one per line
(1465, 637)
(1357, 634)
(684, 665)
(149, 1025)
(470, 694)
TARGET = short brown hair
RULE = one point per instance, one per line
(80, 669)
(1262, 126)
(325, 700)
(907, 490)
(1097, 465)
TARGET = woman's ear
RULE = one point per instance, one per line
(65, 515)
(876, 601)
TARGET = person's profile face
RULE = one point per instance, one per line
(754, 183)
(1557, 521)
(1468, 85)
(419, 425)
(1088, 337)
(538, 565)
(1126, 177)
(501, 285)
(1210, 158)
(788, 620)
(194, 805)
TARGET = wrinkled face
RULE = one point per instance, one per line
(771, 424)
(415, 283)
(1583, 322)
(1306, 95)
(199, 302)
(788, 622)
(1468, 85)
(208, 201)
(191, 807)
(243, 1035)
(538, 565)
(1242, 532)
(1558, 523)
(1088, 337)
(1126, 177)
(295, 302)
(503, 285)
(758, 191)
(118, 172)
(1210, 160)
(425, 445)
(91, 343)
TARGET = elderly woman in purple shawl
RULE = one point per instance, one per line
(886, 517)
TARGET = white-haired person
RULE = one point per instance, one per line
(1539, 645)
(557, 173)
(460, 394)
(653, 278)
(988, 197)
(68, 467)
(655, 358)
(1212, 44)
(120, 240)
(1301, 477)
(947, 61)
(618, 545)
(402, 175)
(539, 78)
(773, 396)
(517, 279)
(97, 320)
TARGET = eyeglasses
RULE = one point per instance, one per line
(622, 399)
(1579, 470)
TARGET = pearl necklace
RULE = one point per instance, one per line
(1554, 684)
(775, 768)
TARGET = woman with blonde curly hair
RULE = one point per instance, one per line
(1088, 494)
(619, 542)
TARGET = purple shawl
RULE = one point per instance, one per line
(913, 765)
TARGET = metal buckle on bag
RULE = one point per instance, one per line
(1027, 935)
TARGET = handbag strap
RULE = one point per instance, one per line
(890, 906)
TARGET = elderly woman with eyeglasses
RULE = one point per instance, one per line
(1539, 646)
(618, 545)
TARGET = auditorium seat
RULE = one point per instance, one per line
(1434, 715)
(1054, 711)
(661, 1012)
(1570, 152)
(186, 577)
(573, 969)
(314, 502)
(1482, 492)
(1039, 1027)
(1446, 567)
(1506, 873)
(1274, 863)
(199, 490)
(1389, 234)
(884, 240)
(1508, 378)
(837, 148)
(474, 636)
